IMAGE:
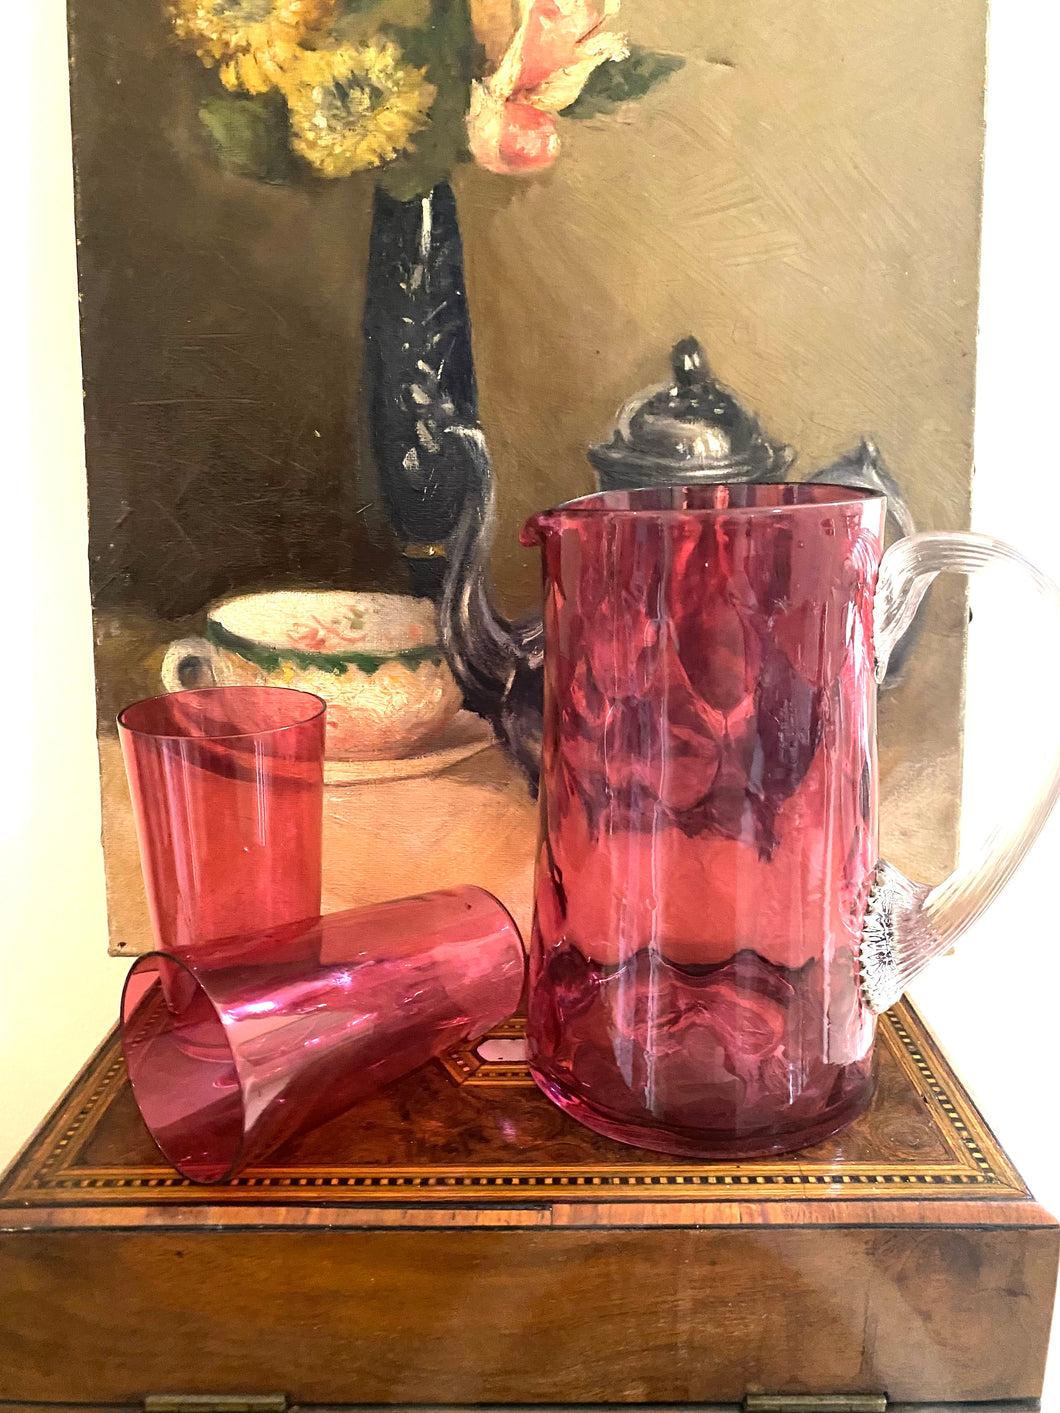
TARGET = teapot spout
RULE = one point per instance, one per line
(498, 663)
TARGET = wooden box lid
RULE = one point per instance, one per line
(459, 1241)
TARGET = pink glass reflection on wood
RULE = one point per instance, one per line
(229, 1059)
(709, 814)
(227, 793)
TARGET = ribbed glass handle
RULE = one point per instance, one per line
(907, 924)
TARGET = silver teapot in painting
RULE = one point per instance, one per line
(690, 430)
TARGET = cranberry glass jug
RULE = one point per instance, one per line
(714, 933)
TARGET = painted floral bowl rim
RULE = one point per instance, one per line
(268, 652)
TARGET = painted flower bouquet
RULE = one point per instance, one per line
(409, 88)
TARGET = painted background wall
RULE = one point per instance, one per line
(801, 195)
(993, 1003)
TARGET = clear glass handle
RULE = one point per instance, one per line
(906, 923)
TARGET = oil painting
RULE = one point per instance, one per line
(367, 283)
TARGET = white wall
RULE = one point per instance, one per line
(58, 991)
(994, 1003)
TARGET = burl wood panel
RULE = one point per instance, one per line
(458, 1241)
(472, 1129)
(1004, 1405)
(584, 1316)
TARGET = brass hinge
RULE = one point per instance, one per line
(815, 1403)
(215, 1403)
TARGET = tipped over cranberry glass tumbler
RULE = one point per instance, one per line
(230, 1057)
(714, 933)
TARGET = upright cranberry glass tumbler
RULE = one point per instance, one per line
(227, 792)
(714, 934)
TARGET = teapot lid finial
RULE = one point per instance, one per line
(692, 428)
(689, 363)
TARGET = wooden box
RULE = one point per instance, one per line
(459, 1243)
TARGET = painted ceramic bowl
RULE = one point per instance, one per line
(374, 658)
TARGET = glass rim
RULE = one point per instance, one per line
(139, 964)
(835, 496)
(319, 710)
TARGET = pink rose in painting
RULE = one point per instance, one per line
(506, 136)
(511, 122)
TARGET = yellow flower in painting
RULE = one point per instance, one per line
(354, 107)
(250, 41)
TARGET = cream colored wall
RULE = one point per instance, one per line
(58, 991)
(993, 1003)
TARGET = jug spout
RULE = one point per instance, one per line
(533, 533)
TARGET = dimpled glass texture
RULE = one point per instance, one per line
(227, 788)
(228, 1059)
(709, 814)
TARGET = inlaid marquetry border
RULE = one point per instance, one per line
(466, 1066)
(50, 1174)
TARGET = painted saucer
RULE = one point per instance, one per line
(464, 736)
